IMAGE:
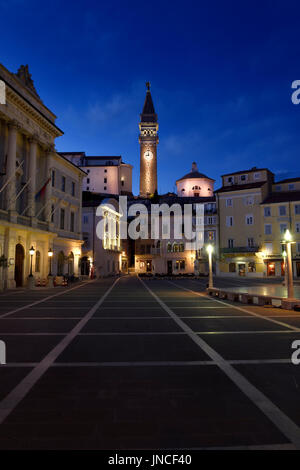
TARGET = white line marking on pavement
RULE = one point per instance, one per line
(151, 363)
(148, 333)
(40, 301)
(241, 309)
(285, 425)
(9, 403)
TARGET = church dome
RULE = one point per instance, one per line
(195, 184)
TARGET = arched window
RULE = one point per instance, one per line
(181, 247)
(169, 247)
(60, 263)
(37, 261)
(175, 247)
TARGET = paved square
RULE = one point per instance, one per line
(134, 364)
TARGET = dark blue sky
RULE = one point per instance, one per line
(220, 72)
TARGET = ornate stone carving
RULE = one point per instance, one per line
(25, 77)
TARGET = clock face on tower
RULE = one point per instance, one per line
(148, 155)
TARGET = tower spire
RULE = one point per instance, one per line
(148, 140)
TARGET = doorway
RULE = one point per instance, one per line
(271, 269)
(170, 267)
(19, 265)
(149, 266)
(242, 269)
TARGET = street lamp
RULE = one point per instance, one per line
(31, 252)
(284, 255)
(288, 242)
(210, 250)
(50, 254)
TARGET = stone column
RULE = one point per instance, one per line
(48, 191)
(79, 213)
(11, 167)
(32, 176)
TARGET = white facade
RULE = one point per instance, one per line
(107, 175)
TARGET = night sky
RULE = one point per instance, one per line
(220, 73)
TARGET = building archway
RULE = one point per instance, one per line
(85, 266)
(71, 264)
(60, 263)
(19, 265)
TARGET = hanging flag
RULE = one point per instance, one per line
(41, 192)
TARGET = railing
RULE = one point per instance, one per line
(240, 249)
(23, 220)
(3, 215)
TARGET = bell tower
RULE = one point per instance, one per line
(148, 140)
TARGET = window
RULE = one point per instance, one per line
(278, 188)
(291, 187)
(230, 243)
(37, 261)
(230, 179)
(165, 229)
(229, 220)
(282, 210)
(283, 228)
(249, 201)
(250, 242)
(52, 213)
(181, 247)
(122, 182)
(105, 171)
(267, 211)
(228, 202)
(257, 176)
(298, 227)
(211, 235)
(104, 188)
(243, 177)
(72, 222)
(251, 267)
(169, 247)
(62, 219)
(105, 180)
(175, 247)
(88, 171)
(87, 188)
(63, 183)
(232, 267)
(249, 219)
(298, 247)
(88, 181)
(297, 209)
(268, 229)
(73, 188)
(179, 265)
(85, 219)
(53, 178)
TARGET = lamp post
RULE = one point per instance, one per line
(50, 254)
(30, 279)
(210, 250)
(50, 277)
(284, 255)
(288, 244)
(31, 252)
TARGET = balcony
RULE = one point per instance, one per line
(241, 249)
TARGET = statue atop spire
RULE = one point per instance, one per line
(25, 77)
(148, 86)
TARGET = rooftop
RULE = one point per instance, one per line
(289, 196)
(240, 187)
(253, 169)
